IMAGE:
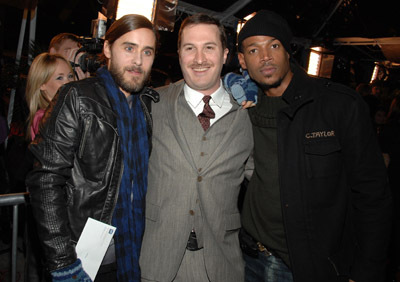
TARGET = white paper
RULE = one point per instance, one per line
(93, 244)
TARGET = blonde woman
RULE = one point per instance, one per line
(47, 73)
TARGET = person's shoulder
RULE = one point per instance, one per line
(172, 87)
(84, 87)
(327, 87)
(86, 82)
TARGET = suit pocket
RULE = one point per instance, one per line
(323, 158)
(233, 222)
(152, 212)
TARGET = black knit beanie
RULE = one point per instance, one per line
(267, 23)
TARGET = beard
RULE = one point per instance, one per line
(276, 84)
(133, 85)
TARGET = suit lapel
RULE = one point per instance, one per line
(174, 112)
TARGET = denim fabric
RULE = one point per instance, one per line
(266, 269)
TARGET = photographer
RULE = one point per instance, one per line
(67, 45)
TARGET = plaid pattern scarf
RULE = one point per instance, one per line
(128, 216)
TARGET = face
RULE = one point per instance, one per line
(202, 57)
(375, 90)
(67, 48)
(380, 117)
(267, 62)
(61, 76)
(130, 59)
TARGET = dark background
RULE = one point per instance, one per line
(353, 18)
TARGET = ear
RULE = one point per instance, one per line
(107, 49)
(52, 50)
(226, 51)
(288, 55)
(43, 87)
(242, 62)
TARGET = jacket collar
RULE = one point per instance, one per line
(151, 93)
(298, 93)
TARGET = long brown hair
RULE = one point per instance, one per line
(126, 24)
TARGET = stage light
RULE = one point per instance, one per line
(141, 7)
(242, 22)
(320, 62)
(375, 73)
(314, 63)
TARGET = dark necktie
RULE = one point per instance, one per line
(204, 117)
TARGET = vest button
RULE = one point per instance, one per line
(191, 212)
(202, 154)
(199, 178)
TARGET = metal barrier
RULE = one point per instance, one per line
(14, 200)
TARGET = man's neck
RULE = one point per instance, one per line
(279, 90)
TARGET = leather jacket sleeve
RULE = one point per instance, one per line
(54, 150)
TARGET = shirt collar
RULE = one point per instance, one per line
(194, 97)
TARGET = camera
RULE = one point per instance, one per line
(90, 60)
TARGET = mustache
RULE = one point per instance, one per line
(135, 69)
(268, 64)
(205, 65)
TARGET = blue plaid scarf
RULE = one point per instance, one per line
(129, 211)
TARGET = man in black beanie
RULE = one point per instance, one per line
(318, 206)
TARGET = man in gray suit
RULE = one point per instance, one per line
(202, 140)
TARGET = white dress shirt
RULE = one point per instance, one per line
(220, 101)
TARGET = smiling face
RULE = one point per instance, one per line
(202, 57)
(130, 59)
(61, 75)
(267, 62)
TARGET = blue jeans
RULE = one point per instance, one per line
(266, 269)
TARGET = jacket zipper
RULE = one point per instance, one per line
(82, 145)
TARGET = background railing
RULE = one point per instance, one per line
(14, 200)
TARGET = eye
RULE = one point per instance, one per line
(129, 48)
(148, 52)
(210, 47)
(60, 77)
(275, 46)
(252, 51)
(70, 76)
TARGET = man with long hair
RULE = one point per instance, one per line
(92, 153)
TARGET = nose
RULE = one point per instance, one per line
(199, 57)
(137, 58)
(265, 54)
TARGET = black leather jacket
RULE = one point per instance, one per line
(78, 166)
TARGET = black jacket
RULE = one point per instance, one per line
(79, 166)
(334, 194)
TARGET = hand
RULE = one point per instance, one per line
(71, 273)
(351, 280)
(247, 104)
(242, 88)
(73, 58)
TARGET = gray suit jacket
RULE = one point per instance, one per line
(194, 180)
